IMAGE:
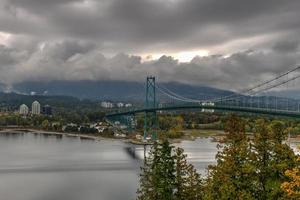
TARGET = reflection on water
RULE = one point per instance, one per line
(37, 167)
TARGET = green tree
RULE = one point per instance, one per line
(188, 183)
(232, 176)
(283, 158)
(166, 175)
(261, 148)
(157, 179)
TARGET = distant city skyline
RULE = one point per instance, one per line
(36, 109)
(226, 44)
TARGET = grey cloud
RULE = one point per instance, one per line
(72, 60)
(286, 46)
(10, 57)
(136, 26)
(84, 40)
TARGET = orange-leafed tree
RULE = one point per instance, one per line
(292, 186)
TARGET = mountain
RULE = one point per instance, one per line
(14, 100)
(112, 90)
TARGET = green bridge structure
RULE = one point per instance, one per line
(259, 99)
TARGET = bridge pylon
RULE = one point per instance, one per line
(150, 117)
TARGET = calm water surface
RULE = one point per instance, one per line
(37, 167)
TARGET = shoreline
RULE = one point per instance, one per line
(215, 137)
(55, 133)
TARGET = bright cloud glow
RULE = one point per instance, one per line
(187, 56)
(183, 56)
(4, 38)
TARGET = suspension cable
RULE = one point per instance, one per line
(259, 85)
(177, 95)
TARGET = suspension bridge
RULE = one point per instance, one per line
(261, 98)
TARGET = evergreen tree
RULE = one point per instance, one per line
(194, 188)
(232, 177)
(283, 158)
(188, 181)
(263, 168)
(181, 174)
(166, 175)
(158, 174)
(261, 148)
(272, 159)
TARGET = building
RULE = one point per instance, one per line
(106, 104)
(120, 105)
(36, 108)
(23, 109)
(127, 105)
(47, 110)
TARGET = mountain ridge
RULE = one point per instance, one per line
(112, 90)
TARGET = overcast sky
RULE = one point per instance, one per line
(224, 43)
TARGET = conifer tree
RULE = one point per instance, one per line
(188, 181)
(261, 148)
(284, 157)
(194, 188)
(166, 175)
(146, 190)
(272, 159)
(231, 177)
(158, 174)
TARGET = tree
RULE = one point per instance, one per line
(232, 177)
(291, 187)
(167, 175)
(263, 168)
(45, 124)
(157, 179)
(188, 183)
(282, 158)
(261, 147)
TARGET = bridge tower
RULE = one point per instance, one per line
(150, 117)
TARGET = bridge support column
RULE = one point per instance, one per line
(150, 117)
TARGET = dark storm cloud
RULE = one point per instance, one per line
(163, 25)
(82, 39)
(73, 60)
(287, 46)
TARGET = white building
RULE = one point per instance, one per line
(106, 104)
(120, 105)
(208, 103)
(36, 108)
(23, 109)
(127, 105)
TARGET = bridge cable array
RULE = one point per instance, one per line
(260, 85)
(175, 96)
(242, 97)
(254, 90)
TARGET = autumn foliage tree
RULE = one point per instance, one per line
(258, 166)
(291, 187)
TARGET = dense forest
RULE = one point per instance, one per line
(263, 168)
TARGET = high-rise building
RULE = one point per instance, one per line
(23, 109)
(47, 110)
(36, 108)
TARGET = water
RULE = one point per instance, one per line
(38, 167)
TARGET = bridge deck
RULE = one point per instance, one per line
(294, 114)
